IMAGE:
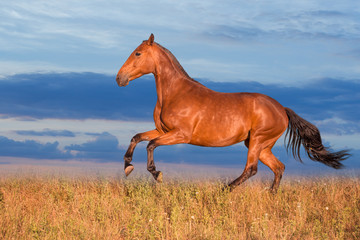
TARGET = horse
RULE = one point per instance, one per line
(187, 112)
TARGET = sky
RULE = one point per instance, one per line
(59, 59)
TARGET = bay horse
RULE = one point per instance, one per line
(188, 112)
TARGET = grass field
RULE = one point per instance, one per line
(47, 206)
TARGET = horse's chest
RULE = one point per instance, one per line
(167, 120)
(171, 118)
(162, 121)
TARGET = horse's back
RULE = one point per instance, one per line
(228, 118)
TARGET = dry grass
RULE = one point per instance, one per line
(55, 207)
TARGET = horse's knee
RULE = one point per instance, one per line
(135, 139)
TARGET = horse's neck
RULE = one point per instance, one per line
(170, 79)
(169, 85)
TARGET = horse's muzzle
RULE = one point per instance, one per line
(122, 80)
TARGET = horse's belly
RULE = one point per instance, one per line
(218, 135)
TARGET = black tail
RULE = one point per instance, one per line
(302, 132)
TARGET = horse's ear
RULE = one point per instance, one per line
(151, 40)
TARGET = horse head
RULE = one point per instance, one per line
(139, 63)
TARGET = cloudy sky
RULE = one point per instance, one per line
(58, 61)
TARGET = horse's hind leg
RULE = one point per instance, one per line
(251, 164)
(146, 136)
(268, 158)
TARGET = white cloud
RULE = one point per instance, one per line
(336, 126)
(95, 34)
(342, 141)
(123, 130)
(14, 67)
(97, 19)
(8, 68)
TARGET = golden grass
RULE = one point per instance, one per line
(56, 207)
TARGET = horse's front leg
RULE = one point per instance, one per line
(145, 136)
(169, 138)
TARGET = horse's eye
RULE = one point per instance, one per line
(137, 54)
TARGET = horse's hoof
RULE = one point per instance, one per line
(159, 177)
(129, 169)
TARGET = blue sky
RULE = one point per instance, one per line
(58, 61)
(266, 41)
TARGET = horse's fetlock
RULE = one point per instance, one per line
(128, 156)
(151, 168)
